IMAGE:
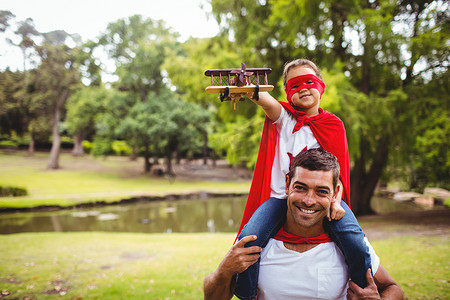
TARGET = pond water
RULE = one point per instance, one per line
(192, 215)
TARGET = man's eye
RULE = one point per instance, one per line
(294, 87)
(309, 82)
(299, 187)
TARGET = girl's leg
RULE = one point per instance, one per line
(264, 223)
(349, 237)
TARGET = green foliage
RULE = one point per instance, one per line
(82, 108)
(139, 46)
(387, 49)
(7, 191)
(239, 140)
(165, 123)
(87, 146)
(101, 147)
(8, 144)
(186, 67)
(121, 148)
(447, 202)
(385, 65)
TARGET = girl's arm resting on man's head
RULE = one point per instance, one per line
(336, 212)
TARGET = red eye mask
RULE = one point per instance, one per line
(307, 81)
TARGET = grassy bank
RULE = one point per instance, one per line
(172, 266)
(87, 179)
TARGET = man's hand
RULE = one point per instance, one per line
(369, 292)
(220, 283)
(239, 258)
(336, 212)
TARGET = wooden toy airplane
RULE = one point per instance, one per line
(238, 81)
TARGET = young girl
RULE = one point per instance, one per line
(289, 129)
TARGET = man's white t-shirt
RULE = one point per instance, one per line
(288, 145)
(319, 273)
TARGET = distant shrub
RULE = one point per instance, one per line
(87, 146)
(8, 144)
(101, 147)
(447, 202)
(121, 148)
(66, 142)
(7, 191)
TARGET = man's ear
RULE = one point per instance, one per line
(336, 191)
(287, 184)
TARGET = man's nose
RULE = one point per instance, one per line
(309, 198)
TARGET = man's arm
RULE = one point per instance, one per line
(381, 286)
(220, 284)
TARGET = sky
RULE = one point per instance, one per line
(89, 18)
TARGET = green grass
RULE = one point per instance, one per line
(108, 266)
(86, 179)
(421, 265)
(172, 266)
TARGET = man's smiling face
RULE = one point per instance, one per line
(309, 198)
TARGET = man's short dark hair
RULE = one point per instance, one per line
(316, 160)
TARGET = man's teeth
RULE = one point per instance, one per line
(307, 211)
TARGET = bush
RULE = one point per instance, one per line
(7, 191)
(8, 144)
(101, 147)
(66, 142)
(87, 146)
(447, 202)
(121, 148)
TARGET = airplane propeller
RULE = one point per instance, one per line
(240, 74)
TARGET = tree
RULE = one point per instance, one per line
(53, 81)
(162, 124)
(138, 47)
(12, 117)
(27, 32)
(82, 108)
(185, 68)
(5, 16)
(190, 122)
(385, 48)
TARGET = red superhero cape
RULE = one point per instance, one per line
(330, 134)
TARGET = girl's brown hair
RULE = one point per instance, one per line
(299, 62)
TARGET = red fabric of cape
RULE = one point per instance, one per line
(330, 134)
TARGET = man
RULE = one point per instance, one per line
(311, 266)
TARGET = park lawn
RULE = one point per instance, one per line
(172, 266)
(87, 179)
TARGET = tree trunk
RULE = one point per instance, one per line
(134, 152)
(363, 183)
(169, 170)
(78, 145)
(205, 148)
(147, 164)
(31, 145)
(53, 162)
